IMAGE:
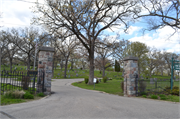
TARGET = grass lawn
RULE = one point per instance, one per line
(111, 86)
(77, 73)
(7, 101)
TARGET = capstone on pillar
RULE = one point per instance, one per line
(130, 70)
(45, 63)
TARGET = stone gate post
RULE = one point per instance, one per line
(130, 70)
(45, 62)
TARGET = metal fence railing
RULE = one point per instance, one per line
(154, 85)
(18, 80)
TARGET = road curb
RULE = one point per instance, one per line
(11, 117)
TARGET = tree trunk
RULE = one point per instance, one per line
(61, 64)
(91, 67)
(150, 70)
(103, 69)
(10, 60)
(72, 63)
(28, 63)
(161, 71)
(65, 70)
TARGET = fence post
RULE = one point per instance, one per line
(130, 70)
(45, 64)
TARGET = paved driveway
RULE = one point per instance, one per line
(73, 102)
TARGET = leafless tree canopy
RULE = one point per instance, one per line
(160, 13)
(86, 19)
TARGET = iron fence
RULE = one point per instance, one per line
(18, 80)
(153, 86)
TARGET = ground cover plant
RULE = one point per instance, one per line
(18, 96)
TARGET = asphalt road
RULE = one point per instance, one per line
(76, 103)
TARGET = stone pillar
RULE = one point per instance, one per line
(45, 64)
(130, 70)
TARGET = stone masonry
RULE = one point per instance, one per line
(45, 64)
(129, 71)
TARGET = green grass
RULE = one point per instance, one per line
(85, 73)
(7, 101)
(111, 86)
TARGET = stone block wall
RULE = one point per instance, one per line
(130, 70)
(45, 64)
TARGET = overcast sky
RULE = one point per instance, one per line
(17, 13)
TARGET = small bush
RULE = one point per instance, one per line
(27, 95)
(86, 80)
(104, 79)
(167, 90)
(154, 96)
(163, 98)
(143, 93)
(14, 94)
(175, 91)
(8, 94)
(162, 95)
(122, 86)
(144, 96)
(18, 94)
(110, 78)
(40, 94)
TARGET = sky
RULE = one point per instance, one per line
(17, 13)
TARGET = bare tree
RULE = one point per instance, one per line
(160, 13)
(26, 42)
(86, 19)
(159, 62)
(66, 48)
(104, 49)
(120, 50)
(3, 46)
(11, 48)
(152, 62)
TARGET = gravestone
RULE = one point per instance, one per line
(76, 75)
(151, 81)
(155, 79)
(130, 70)
(45, 64)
